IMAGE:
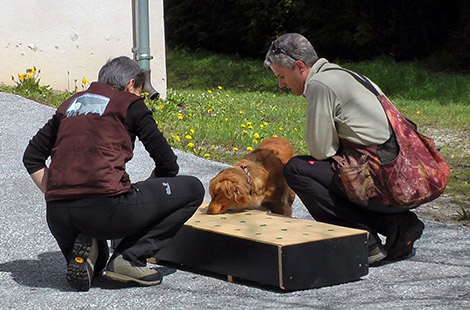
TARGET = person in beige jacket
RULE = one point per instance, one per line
(339, 110)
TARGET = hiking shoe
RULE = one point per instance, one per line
(123, 270)
(408, 229)
(103, 256)
(81, 265)
(376, 254)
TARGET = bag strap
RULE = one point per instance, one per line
(367, 84)
(360, 78)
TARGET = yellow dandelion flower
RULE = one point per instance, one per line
(162, 106)
(249, 123)
(249, 148)
(29, 75)
(220, 87)
(261, 126)
(235, 149)
(188, 137)
(190, 145)
(180, 116)
(281, 128)
(256, 135)
(178, 139)
(209, 91)
(84, 81)
(21, 76)
(192, 131)
(250, 127)
(212, 147)
(226, 119)
(240, 112)
(261, 111)
(156, 122)
(242, 125)
(206, 155)
(275, 136)
(244, 132)
(418, 112)
(295, 129)
(255, 141)
(265, 123)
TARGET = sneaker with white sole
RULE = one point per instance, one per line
(82, 263)
(376, 254)
(122, 270)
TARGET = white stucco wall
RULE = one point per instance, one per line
(69, 40)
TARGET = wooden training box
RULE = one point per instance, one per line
(288, 253)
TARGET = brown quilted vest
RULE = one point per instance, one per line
(92, 145)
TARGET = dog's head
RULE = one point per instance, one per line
(228, 189)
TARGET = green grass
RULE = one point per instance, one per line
(219, 107)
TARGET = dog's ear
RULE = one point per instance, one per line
(233, 192)
(227, 188)
(240, 196)
(260, 180)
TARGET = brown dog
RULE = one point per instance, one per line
(256, 180)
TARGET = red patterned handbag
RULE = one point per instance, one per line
(417, 175)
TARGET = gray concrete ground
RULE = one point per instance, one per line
(32, 270)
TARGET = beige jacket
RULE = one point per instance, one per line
(340, 107)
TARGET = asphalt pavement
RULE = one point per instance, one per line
(32, 270)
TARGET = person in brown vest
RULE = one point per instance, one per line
(345, 113)
(89, 195)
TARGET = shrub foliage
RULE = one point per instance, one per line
(350, 30)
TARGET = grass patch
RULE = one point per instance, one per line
(462, 215)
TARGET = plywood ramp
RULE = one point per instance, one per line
(264, 227)
(284, 252)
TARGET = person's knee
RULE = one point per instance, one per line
(291, 169)
(197, 189)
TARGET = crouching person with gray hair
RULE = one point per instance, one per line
(89, 195)
(367, 165)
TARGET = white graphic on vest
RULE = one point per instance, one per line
(168, 189)
(87, 103)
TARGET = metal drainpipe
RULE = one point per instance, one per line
(141, 48)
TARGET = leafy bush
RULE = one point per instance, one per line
(350, 30)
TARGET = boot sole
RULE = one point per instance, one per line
(123, 278)
(79, 269)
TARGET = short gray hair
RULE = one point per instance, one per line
(288, 48)
(119, 71)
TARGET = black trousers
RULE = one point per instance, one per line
(145, 218)
(313, 181)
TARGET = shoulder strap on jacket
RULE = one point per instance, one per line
(367, 84)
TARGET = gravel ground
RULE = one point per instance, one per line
(32, 270)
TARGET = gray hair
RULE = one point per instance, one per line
(290, 47)
(119, 71)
